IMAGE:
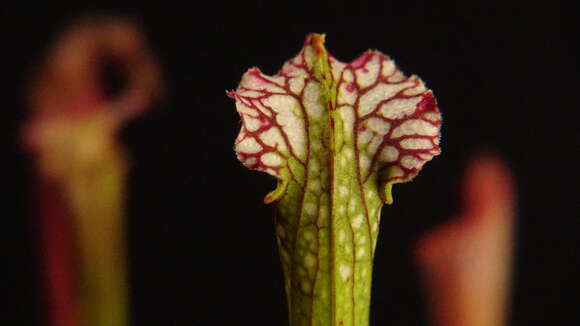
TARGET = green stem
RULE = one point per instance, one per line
(95, 188)
(327, 241)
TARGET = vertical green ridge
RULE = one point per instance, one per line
(325, 219)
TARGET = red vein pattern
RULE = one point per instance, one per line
(396, 120)
(330, 131)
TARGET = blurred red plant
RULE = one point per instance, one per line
(80, 165)
(466, 263)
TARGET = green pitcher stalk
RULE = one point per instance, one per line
(336, 136)
(81, 166)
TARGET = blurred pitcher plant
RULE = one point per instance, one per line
(81, 166)
(466, 264)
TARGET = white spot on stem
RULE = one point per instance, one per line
(309, 260)
(344, 272)
(310, 208)
(357, 221)
(314, 185)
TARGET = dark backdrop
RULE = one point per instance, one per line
(201, 243)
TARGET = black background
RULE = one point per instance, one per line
(201, 243)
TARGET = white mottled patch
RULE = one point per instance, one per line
(366, 77)
(244, 107)
(287, 108)
(357, 221)
(336, 68)
(314, 185)
(309, 56)
(347, 94)
(374, 144)
(376, 212)
(369, 101)
(251, 160)
(344, 272)
(296, 84)
(291, 70)
(316, 145)
(343, 191)
(314, 166)
(343, 160)
(249, 146)
(347, 115)
(272, 172)
(323, 215)
(347, 249)
(396, 77)
(378, 125)
(251, 81)
(362, 240)
(348, 153)
(347, 76)
(277, 79)
(312, 103)
(341, 209)
(419, 89)
(364, 136)
(400, 107)
(271, 159)
(415, 127)
(352, 205)
(341, 236)
(364, 162)
(432, 116)
(369, 195)
(388, 68)
(309, 260)
(298, 60)
(389, 154)
(360, 253)
(416, 143)
(250, 93)
(375, 227)
(363, 271)
(310, 208)
(263, 109)
(411, 162)
(272, 137)
(252, 124)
